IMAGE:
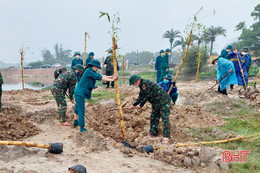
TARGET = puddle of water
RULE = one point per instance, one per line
(18, 86)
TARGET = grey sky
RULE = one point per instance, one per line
(41, 23)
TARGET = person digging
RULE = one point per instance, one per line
(65, 81)
(160, 100)
(226, 72)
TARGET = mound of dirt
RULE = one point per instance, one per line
(9, 153)
(138, 121)
(16, 127)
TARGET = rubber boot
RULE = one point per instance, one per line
(76, 123)
(82, 129)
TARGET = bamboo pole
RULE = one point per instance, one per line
(103, 66)
(26, 144)
(22, 54)
(183, 59)
(198, 69)
(124, 70)
(84, 60)
(117, 89)
(217, 142)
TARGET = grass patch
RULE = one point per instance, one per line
(104, 95)
(46, 88)
(126, 73)
(242, 119)
(48, 96)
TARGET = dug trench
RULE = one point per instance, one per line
(104, 131)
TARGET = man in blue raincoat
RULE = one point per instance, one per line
(243, 58)
(166, 85)
(223, 67)
(246, 51)
(158, 65)
(224, 54)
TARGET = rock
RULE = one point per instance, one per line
(222, 165)
(191, 153)
(203, 165)
(187, 162)
(206, 154)
(195, 161)
(213, 167)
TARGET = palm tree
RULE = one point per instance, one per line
(211, 34)
(171, 35)
(181, 43)
(200, 39)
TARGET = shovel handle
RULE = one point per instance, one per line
(241, 70)
(220, 79)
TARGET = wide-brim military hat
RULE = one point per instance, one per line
(78, 67)
(95, 63)
(133, 79)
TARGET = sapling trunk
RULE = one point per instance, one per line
(84, 59)
(124, 70)
(198, 69)
(117, 89)
(22, 53)
(183, 59)
(103, 66)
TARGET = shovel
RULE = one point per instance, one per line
(55, 148)
(241, 71)
(221, 79)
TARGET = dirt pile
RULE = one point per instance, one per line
(9, 153)
(16, 127)
(138, 121)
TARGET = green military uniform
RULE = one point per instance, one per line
(160, 100)
(165, 65)
(1, 83)
(65, 81)
(110, 69)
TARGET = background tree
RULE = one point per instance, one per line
(47, 57)
(211, 34)
(251, 36)
(191, 60)
(171, 35)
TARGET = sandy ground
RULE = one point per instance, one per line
(99, 150)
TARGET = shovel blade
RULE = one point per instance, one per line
(126, 144)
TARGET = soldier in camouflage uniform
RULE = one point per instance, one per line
(110, 68)
(160, 100)
(65, 81)
(1, 83)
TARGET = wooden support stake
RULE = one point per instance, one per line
(198, 69)
(117, 89)
(183, 59)
(84, 60)
(22, 54)
(123, 69)
(103, 66)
